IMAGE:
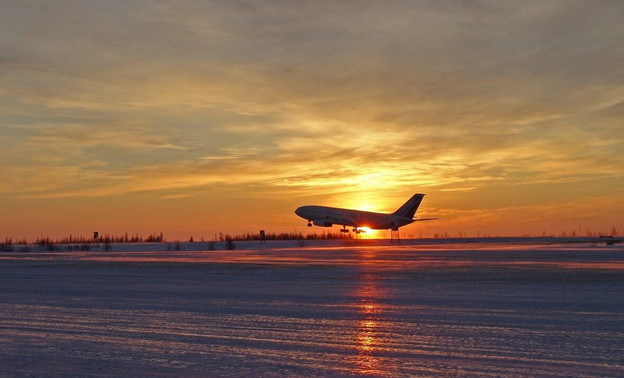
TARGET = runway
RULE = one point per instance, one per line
(480, 309)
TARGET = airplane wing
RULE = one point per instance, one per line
(345, 220)
(357, 218)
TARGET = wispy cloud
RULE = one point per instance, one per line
(454, 98)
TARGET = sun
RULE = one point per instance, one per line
(367, 233)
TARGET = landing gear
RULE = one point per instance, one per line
(309, 223)
(344, 229)
(398, 237)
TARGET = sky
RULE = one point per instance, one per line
(197, 117)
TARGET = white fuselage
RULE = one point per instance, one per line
(327, 216)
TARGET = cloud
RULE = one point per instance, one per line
(102, 99)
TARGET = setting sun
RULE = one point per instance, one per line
(367, 233)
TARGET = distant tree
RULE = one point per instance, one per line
(154, 238)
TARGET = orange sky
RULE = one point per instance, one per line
(202, 117)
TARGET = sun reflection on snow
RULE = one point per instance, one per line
(369, 308)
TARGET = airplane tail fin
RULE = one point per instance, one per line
(408, 210)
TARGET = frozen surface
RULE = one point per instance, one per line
(278, 309)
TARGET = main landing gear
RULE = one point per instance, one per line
(356, 230)
(309, 223)
(398, 237)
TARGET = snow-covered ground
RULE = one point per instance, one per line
(328, 308)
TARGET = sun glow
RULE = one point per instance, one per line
(367, 233)
(365, 207)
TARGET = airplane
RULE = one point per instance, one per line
(324, 216)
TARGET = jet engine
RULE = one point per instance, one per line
(322, 223)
